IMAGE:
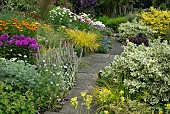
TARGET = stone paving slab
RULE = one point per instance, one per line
(95, 68)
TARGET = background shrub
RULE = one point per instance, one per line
(157, 19)
(114, 22)
(144, 71)
(130, 29)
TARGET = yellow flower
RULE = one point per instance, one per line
(122, 99)
(160, 112)
(74, 102)
(63, 27)
(83, 94)
(120, 108)
(88, 101)
(168, 106)
(121, 92)
(106, 112)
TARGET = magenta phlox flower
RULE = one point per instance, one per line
(0, 43)
(33, 40)
(32, 46)
(35, 55)
(9, 42)
(24, 42)
(18, 43)
(4, 37)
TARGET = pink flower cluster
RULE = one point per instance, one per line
(83, 19)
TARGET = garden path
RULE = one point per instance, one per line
(86, 78)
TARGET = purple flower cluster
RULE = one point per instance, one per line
(106, 43)
(21, 41)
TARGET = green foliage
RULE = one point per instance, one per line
(130, 29)
(144, 71)
(15, 99)
(157, 20)
(114, 22)
(103, 19)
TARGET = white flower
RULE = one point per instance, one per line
(46, 70)
(25, 56)
(57, 84)
(51, 82)
(19, 55)
(12, 59)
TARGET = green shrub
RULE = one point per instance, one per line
(14, 99)
(144, 71)
(114, 22)
(103, 19)
(130, 29)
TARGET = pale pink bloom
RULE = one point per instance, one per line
(82, 20)
(80, 17)
(75, 19)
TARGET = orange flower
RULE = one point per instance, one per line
(1, 29)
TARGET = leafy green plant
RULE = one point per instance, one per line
(114, 22)
(103, 19)
(143, 71)
(131, 29)
(15, 99)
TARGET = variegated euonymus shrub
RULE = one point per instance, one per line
(130, 29)
(144, 70)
